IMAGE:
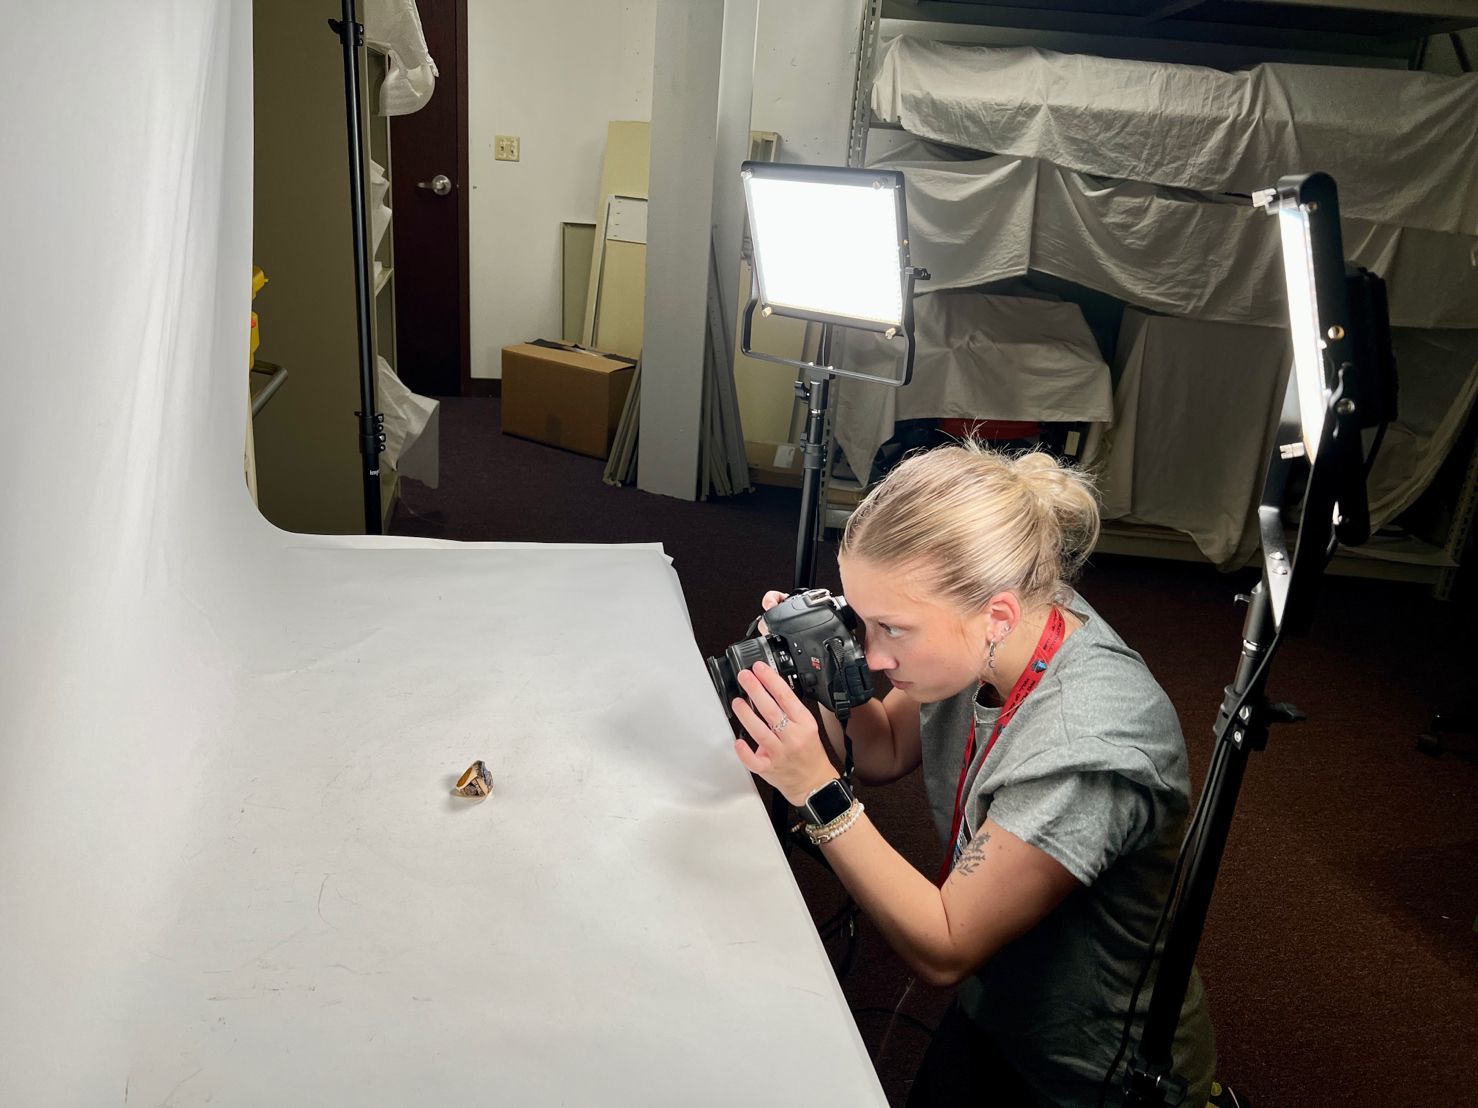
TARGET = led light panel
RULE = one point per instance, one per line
(830, 247)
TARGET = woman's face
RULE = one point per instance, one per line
(927, 649)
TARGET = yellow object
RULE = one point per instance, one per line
(258, 279)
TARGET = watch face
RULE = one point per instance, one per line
(828, 802)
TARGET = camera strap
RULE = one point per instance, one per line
(1031, 677)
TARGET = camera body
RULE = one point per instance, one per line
(813, 644)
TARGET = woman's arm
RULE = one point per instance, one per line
(1000, 888)
(885, 738)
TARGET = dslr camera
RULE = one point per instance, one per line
(812, 643)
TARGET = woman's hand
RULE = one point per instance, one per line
(768, 601)
(790, 755)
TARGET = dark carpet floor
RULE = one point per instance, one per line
(1341, 956)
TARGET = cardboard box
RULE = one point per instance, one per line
(780, 463)
(564, 396)
(774, 463)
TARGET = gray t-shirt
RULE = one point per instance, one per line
(1092, 770)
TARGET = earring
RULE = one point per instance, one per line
(990, 655)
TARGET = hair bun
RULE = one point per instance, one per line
(1068, 494)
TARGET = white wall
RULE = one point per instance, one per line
(805, 65)
(803, 62)
(553, 73)
(805, 68)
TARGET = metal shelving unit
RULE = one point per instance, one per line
(1388, 32)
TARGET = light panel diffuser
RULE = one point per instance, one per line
(1303, 321)
(829, 248)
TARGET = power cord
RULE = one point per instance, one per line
(901, 1017)
(893, 1022)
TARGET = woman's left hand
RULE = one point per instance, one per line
(790, 755)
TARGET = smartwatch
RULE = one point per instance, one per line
(827, 803)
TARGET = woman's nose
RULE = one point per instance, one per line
(879, 663)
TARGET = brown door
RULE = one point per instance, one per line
(430, 223)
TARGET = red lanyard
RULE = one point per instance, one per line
(1031, 677)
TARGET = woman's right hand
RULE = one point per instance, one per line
(768, 601)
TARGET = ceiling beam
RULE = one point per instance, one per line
(1423, 18)
(1190, 30)
(1174, 7)
(1416, 9)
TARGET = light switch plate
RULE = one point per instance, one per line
(505, 148)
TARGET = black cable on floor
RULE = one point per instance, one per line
(902, 1017)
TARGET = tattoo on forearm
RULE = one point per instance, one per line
(973, 854)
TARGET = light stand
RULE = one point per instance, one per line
(830, 244)
(1344, 384)
(371, 422)
(814, 389)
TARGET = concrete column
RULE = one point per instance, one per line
(736, 96)
(686, 64)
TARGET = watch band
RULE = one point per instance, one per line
(843, 823)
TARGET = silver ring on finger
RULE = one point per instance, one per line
(780, 725)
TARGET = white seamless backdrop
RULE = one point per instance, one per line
(230, 868)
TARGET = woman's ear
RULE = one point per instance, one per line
(1003, 615)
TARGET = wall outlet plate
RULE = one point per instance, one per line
(505, 148)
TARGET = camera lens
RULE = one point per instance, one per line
(724, 672)
(744, 654)
(725, 682)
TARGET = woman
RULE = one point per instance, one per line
(1054, 765)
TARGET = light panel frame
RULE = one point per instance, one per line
(1321, 421)
(762, 283)
(1307, 210)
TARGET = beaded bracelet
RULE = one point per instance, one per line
(828, 831)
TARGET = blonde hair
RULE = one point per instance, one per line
(975, 522)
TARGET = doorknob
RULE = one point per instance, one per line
(441, 184)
